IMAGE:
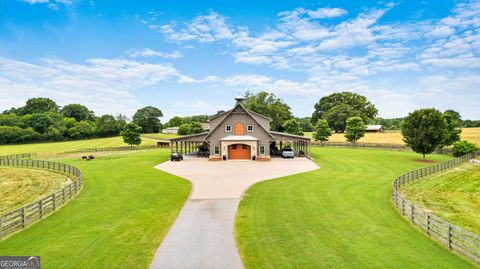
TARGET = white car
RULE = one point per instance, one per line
(288, 153)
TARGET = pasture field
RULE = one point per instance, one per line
(453, 196)
(339, 216)
(117, 221)
(395, 137)
(20, 186)
(60, 147)
(159, 136)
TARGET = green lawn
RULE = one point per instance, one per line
(118, 220)
(59, 147)
(20, 186)
(160, 136)
(453, 196)
(339, 216)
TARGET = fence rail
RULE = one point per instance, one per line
(21, 217)
(372, 145)
(455, 238)
(16, 156)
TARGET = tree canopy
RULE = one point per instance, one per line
(291, 126)
(355, 129)
(322, 131)
(453, 130)
(271, 106)
(149, 119)
(77, 111)
(48, 123)
(131, 134)
(336, 108)
(424, 130)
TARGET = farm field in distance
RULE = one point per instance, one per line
(66, 146)
(395, 137)
(118, 220)
(453, 196)
(20, 186)
(339, 216)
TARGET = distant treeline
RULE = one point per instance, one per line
(42, 120)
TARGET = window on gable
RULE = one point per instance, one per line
(228, 128)
(250, 128)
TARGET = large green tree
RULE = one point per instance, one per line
(453, 130)
(322, 131)
(271, 106)
(291, 126)
(107, 125)
(77, 111)
(424, 130)
(306, 124)
(149, 119)
(358, 105)
(355, 129)
(39, 105)
(131, 134)
(337, 116)
(40, 122)
(175, 122)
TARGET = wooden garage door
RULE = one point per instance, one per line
(238, 151)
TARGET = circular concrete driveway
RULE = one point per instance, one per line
(202, 235)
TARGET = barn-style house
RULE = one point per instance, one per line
(240, 134)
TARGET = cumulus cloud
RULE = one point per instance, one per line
(322, 13)
(147, 52)
(104, 85)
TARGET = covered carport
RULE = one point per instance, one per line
(189, 144)
(299, 143)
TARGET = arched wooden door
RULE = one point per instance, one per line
(239, 152)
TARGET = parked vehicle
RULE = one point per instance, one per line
(288, 153)
(176, 157)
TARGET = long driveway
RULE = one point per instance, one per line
(202, 235)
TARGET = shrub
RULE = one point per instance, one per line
(463, 147)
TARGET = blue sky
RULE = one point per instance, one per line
(193, 57)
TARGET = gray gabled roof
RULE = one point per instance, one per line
(204, 134)
(247, 111)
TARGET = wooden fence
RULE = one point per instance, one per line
(372, 145)
(453, 237)
(16, 156)
(20, 218)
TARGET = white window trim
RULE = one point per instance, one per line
(215, 150)
(230, 128)
(253, 128)
(260, 151)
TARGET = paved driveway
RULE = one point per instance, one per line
(230, 179)
(202, 235)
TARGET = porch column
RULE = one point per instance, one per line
(171, 147)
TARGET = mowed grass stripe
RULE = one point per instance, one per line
(66, 146)
(339, 216)
(123, 212)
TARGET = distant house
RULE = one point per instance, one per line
(374, 128)
(170, 130)
(240, 134)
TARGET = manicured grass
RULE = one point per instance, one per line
(59, 147)
(339, 216)
(160, 136)
(453, 196)
(395, 137)
(118, 220)
(20, 186)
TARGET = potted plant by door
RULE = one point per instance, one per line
(224, 157)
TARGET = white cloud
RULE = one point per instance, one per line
(52, 4)
(187, 79)
(204, 28)
(104, 85)
(441, 31)
(326, 13)
(147, 52)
